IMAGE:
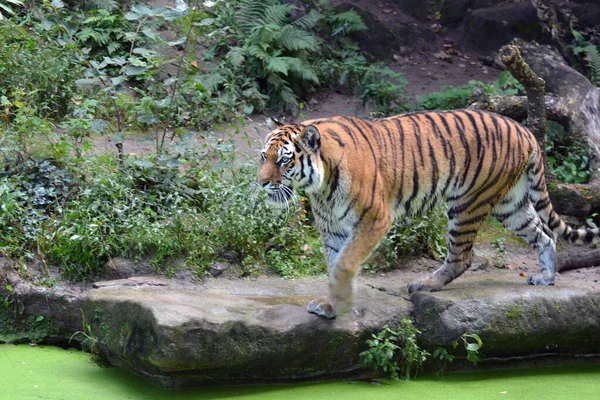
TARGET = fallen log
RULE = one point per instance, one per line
(567, 260)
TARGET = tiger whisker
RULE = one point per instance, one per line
(252, 192)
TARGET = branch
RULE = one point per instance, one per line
(175, 85)
(535, 88)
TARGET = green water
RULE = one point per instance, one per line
(55, 374)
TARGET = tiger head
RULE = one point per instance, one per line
(290, 160)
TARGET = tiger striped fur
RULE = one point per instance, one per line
(360, 174)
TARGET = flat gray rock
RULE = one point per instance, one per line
(244, 331)
(233, 331)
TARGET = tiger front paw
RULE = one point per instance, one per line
(322, 308)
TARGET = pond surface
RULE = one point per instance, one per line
(55, 374)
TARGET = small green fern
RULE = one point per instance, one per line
(590, 55)
(105, 32)
(259, 40)
(274, 50)
(347, 21)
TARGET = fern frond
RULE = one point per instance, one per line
(89, 34)
(325, 6)
(113, 46)
(210, 82)
(235, 56)
(277, 64)
(264, 34)
(592, 57)
(287, 99)
(250, 12)
(275, 80)
(257, 51)
(293, 38)
(351, 19)
(309, 20)
(277, 14)
(302, 69)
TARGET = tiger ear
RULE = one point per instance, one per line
(273, 124)
(311, 138)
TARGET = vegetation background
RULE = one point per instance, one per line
(192, 77)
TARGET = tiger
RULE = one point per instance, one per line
(360, 175)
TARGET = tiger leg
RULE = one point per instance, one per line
(462, 231)
(344, 264)
(520, 217)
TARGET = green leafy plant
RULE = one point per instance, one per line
(105, 33)
(111, 47)
(12, 215)
(193, 206)
(396, 351)
(274, 51)
(446, 358)
(7, 300)
(448, 99)
(500, 252)
(336, 23)
(410, 237)
(472, 343)
(6, 7)
(568, 160)
(375, 86)
(259, 40)
(86, 337)
(28, 202)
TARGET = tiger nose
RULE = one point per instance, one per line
(262, 182)
(271, 184)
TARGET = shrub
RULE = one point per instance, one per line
(36, 73)
(12, 215)
(567, 159)
(273, 51)
(396, 351)
(462, 96)
(194, 206)
(411, 237)
(375, 86)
